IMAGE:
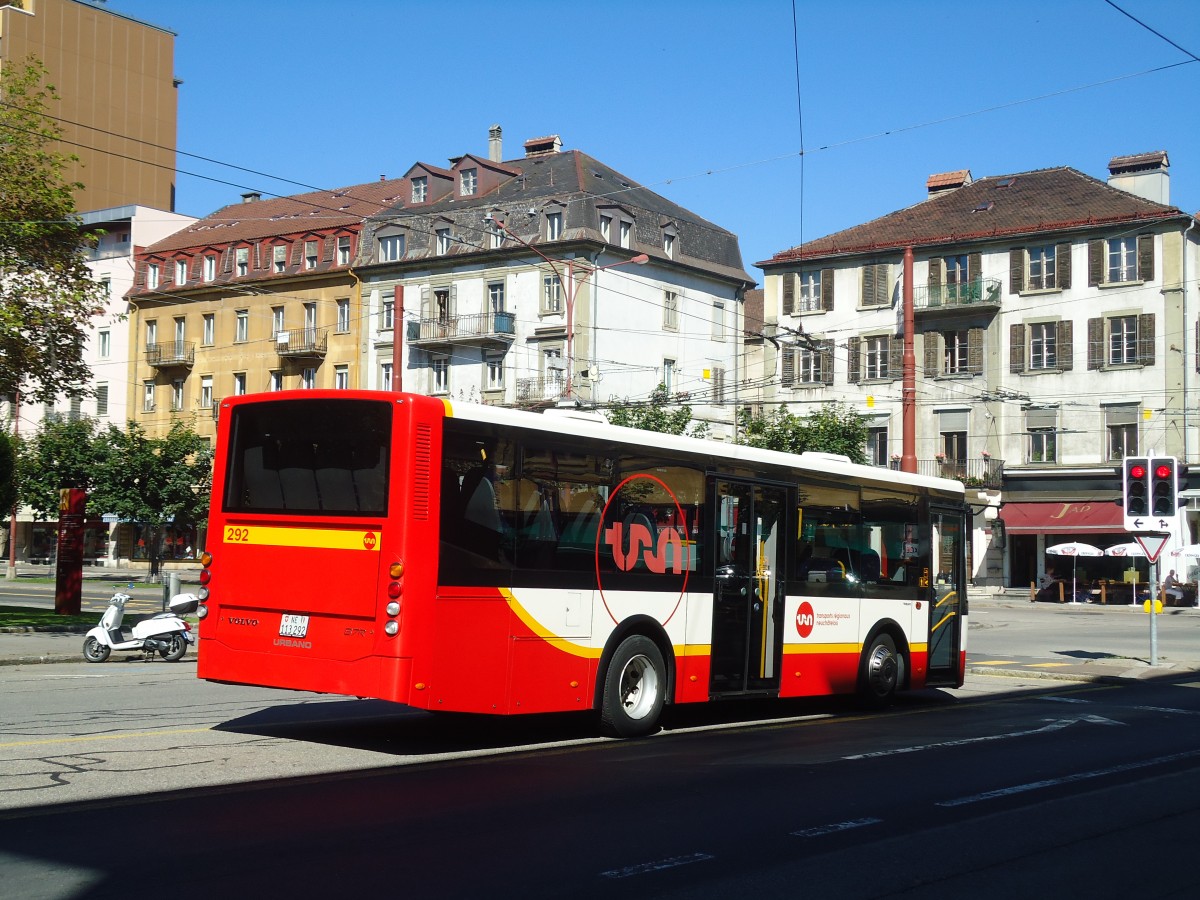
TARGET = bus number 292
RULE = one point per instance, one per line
(234, 535)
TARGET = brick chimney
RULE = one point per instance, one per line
(945, 182)
(1144, 175)
(543, 146)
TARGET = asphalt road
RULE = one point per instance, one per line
(1083, 791)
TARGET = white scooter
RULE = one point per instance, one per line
(166, 633)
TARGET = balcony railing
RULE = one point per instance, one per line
(302, 342)
(542, 388)
(172, 353)
(977, 473)
(976, 292)
(489, 327)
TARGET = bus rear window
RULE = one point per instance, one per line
(309, 457)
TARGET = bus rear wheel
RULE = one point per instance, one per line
(880, 673)
(634, 689)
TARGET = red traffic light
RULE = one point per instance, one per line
(1140, 471)
(1162, 471)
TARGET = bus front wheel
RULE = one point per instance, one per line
(634, 689)
(881, 673)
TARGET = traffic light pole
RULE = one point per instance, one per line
(1154, 613)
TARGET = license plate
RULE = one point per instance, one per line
(293, 626)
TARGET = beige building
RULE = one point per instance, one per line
(118, 96)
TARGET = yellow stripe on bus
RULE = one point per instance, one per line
(323, 538)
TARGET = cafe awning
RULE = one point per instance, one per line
(1061, 517)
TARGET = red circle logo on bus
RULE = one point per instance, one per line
(369, 540)
(805, 619)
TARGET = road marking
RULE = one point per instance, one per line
(818, 830)
(1069, 779)
(102, 737)
(1063, 700)
(1168, 709)
(993, 662)
(668, 863)
(1048, 665)
(1055, 725)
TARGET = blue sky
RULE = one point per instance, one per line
(698, 99)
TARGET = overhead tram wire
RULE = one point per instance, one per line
(1158, 34)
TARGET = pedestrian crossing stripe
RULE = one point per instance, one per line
(1047, 665)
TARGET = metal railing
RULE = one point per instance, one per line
(543, 387)
(302, 341)
(977, 291)
(984, 473)
(172, 353)
(462, 328)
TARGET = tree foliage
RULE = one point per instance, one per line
(656, 414)
(60, 453)
(833, 428)
(46, 293)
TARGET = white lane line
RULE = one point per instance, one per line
(1168, 709)
(1063, 700)
(1055, 725)
(818, 830)
(657, 866)
(1069, 779)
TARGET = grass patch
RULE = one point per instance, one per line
(42, 619)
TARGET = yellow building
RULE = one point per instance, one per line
(118, 96)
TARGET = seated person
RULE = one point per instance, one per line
(1048, 586)
(1173, 589)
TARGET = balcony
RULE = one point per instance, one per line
(550, 387)
(976, 294)
(301, 342)
(171, 354)
(974, 473)
(490, 330)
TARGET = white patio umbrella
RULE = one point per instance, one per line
(1188, 550)
(1132, 548)
(1074, 549)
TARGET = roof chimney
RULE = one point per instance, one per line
(251, 197)
(495, 153)
(945, 182)
(1144, 174)
(543, 145)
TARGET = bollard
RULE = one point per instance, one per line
(171, 587)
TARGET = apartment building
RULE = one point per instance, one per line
(1054, 334)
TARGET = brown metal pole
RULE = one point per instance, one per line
(908, 460)
(397, 338)
(12, 522)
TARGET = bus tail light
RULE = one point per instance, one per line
(393, 609)
(206, 560)
(395, 571)
(391, 629)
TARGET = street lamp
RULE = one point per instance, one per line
(583, 272)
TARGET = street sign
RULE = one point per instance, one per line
(1153, 543)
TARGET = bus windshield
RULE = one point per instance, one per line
(314, 457)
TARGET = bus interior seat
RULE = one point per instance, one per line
(262, 490)
(370, 477)
(869, 566)
(297, 479)
(333, 463)
(479, 503)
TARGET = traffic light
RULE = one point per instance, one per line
(1164, 486)
(1135, 484)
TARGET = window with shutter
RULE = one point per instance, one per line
(854, 360)
(1016, 270)
(875, 287)
(789, 358)
(827, 290)
(789, 293)
(1145, 244)
(1066, 351)
(932, 341)
(827, 361)
(1016, 348)
(1095, 346)
(895, 359)
(1145, 339)
(1062, 257)
(975, 350)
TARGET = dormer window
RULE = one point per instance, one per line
(181, 271)
(242, 261)
(152, 276)
(210, 268)
(343, 251)
(279, 260)
(606, 229)
(443, 241)
(626, 230)
(420, 188)
(553, 226)
(391, 248)
(310, 254)
(468, 180)
(669, 245)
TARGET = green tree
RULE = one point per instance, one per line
(833, 428)
(60, 453)
(8, 474)
(46, 293)
(154, 481)
(655, 414)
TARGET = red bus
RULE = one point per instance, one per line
(479, 559)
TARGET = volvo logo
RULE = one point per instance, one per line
(242, 620)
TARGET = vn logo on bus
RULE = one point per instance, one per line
(806, 619)
(641, 545)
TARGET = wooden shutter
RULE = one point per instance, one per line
(787, 376)
(1095, 263)
(1016, 348)
(895, 358)
(932, 342)
(868, 285)
(329, 245)
(1145, 259)
(1066, 346)
(227, 261)
(1016, 270)
(827, 361)
(975, 350)
(935, 272)
(854, 360)
(827, 290)
(974, 266)
(789, 293)
(1145, 339)
(1062, 264)
(426, 299)
(1095, 340)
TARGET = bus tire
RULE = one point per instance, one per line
(634, 689)
(880, 673)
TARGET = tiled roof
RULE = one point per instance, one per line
(946, 179)
(994, 207)
(285, 215)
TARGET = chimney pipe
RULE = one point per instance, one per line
(495, 151)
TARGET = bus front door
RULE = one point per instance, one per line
(747, 589)
(947, 605)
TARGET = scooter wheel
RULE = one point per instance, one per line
(94, 651)
(176, 647)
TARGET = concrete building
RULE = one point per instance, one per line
(1054, 334)
(115, 79)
